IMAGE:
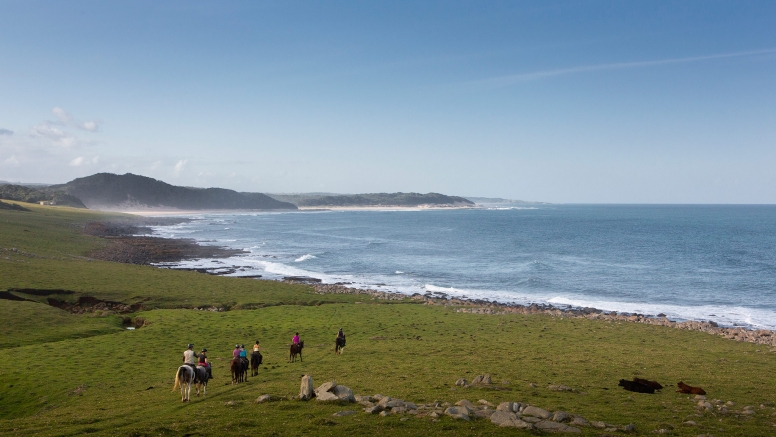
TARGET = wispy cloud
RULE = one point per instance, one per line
(57, 136)
(6, 132)
(179, 166)
(536, 75)
(66, 119)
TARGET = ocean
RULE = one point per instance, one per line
(689, 262)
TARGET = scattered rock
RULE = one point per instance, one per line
(549, 426)
(536, 412)
(477, 380)
(326, 396)
(484, 402)
(306, 389)
(385, 413)
(484, 414)
(597, 424)
(465, 403)
(461, 383)
(325, 387)
(486, 380)
(373, 410)
(700, 397)
(690, 423)
(579, 421)
(561, 416)
(344, 393)
(507, 419)
(263, 398)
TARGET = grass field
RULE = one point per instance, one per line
(66, 374)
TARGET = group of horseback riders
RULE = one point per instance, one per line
(191, 358)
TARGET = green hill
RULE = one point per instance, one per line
(373, 199)
(30, 195)
(111, 191)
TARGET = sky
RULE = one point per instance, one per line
(566, 102)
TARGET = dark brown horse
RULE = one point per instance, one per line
(296, 349)
(256, 360)
(239, 368)
(339, 344)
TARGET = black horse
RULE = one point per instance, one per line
(296, 349)
(256, 360)
(339, 344)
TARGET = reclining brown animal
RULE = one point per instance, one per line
(688, 389)
(654, 384)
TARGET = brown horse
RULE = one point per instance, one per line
(239, 369)
(296, 349)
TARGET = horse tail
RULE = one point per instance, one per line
(177, 378)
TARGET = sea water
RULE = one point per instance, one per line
(685, 261)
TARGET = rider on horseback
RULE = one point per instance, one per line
(236, 351)
(295, 340)
(189, 357)
(203, 361)
(243, 354)
(341, 334)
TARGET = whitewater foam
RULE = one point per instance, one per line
(304, 258)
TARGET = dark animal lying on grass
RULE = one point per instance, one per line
(635, 386)
(688, 389)
(654, 384)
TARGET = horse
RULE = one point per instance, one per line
(201, 378)
(339, 345)
(296, 349)
(256, 360)
(636, 387)
(184, 377)
(238, 368)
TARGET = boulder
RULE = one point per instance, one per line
(549, 426)
(385, 413)
(507, 419)
(360, 398)
(461, 383)
(410, 406)
(509, 407)
(326, 396)
(373, 410)
(460, 410)
(486, 380)
(344, 393)
(325, 387)
(306, 389)
(477, 380)
(398, 410)
(536, 412)
(263, 398)
(561, 416)
(465, 403)
(579, 421)
(484, 402)
(484, 414)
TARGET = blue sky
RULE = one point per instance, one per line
(635, 102)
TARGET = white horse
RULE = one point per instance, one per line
(184, 377)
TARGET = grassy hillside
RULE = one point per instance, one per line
(72, 374)
(107, 190)
(31, 195)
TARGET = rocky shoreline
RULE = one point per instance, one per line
(477, 306)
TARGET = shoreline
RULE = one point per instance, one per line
(134, 249)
